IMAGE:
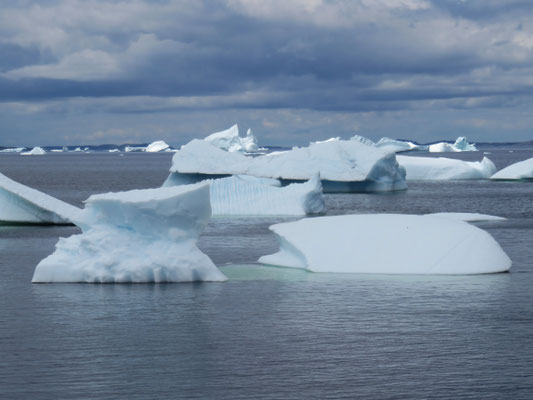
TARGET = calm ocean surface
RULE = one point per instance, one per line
(267, 332)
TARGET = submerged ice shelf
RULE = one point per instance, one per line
(138, 236)
(344, 166)
(387, 244)
(21, 204)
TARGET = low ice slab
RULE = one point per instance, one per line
(387, 244)
(517, 171)
(244, 195)
(23, 205)
(342, 165)
(467, 217)
(137, 236)
(428, 168)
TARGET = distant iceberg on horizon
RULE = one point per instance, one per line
(36, 151)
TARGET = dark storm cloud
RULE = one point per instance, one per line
(329, 56)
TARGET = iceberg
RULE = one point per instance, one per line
(441, 168)
(461, 144)
(522, 170)
(157, 146)
(344, 166)
(36, 151)
(137, 236)
(230, 140)
(244, 195)
(389, 145)
(387, 244)
(23, 205)
(113, 151)
(129, 149)
(13, 150)
(467, 217)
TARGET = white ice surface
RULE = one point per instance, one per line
(36, 151)
(389, 145)
(387, 244)
(467, 217)
(157, 146)
(21, 204)
(13, 150)
(137, 236)
(244, 195)
(461, 144)
(230, 140)
(441, 168)
(342, 161)
(517, 171)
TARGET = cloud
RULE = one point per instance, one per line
(339, 56)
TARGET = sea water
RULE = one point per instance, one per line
(267, 332)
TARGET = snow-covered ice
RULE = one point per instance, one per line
(387, 244)
(157, 146)
(467, 217)
(244, 195)
(461, 144)
(516, 171)
(36, 151)
(441, 168)
(342, 165)
(138, 236)
(230, 140)
(21, 204)
(129, 149)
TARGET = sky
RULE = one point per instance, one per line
(96, 72)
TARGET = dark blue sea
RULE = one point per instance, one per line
(267, 333)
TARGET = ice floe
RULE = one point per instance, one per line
(344, 166)
(138, 236)
(21, 204)
(516, 171)
(230, 140)
(387, 244)
(13, 150)
(36, 151)
(441, 168)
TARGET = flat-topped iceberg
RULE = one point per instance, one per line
(441, 168)
(230, 140)
(13, 150)
(517, 171)
(387, 244)
(461, 144)
(23, 205)
(344, 166)
(138, 236)
(244, 195)
(157, 146)
(36, 151)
